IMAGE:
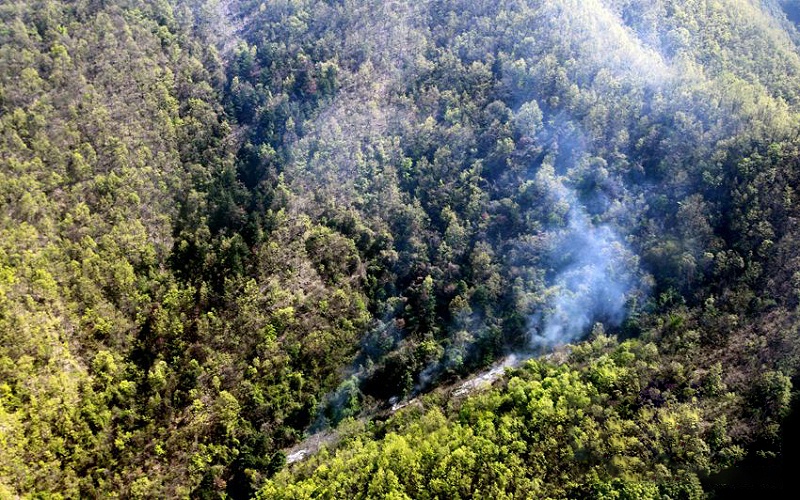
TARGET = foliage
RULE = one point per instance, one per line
(576, 430)
(225, 223)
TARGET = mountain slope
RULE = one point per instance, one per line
(227, 224)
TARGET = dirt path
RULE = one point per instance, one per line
(482, 380)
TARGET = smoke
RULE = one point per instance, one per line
(594, 275)
(623, 48)
(599, 37)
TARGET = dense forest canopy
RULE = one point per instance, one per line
(227, 225)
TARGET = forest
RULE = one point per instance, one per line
(290, 249)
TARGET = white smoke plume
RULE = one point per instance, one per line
(592, 286)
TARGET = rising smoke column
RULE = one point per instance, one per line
(594, 276)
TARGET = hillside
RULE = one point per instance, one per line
(230, 224)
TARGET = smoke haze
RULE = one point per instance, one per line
(594, 276)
